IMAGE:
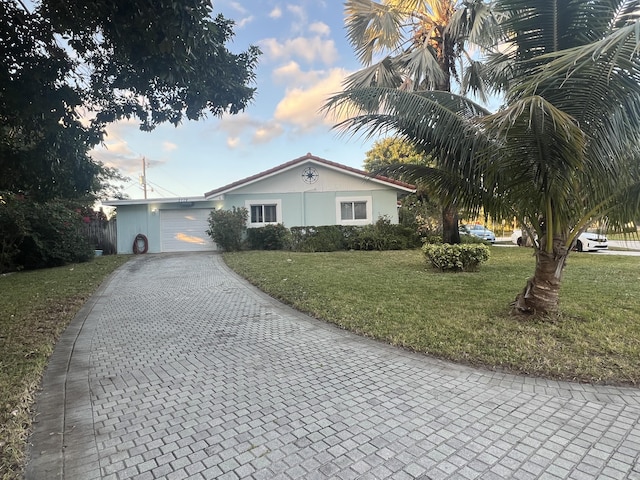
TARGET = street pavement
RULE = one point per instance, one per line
(178, 369)
(629, 248)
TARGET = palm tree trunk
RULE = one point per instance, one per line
(540, 296)
(450, 231)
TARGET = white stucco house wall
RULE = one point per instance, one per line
(307, 191)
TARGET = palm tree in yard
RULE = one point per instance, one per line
(563, 151)
(419, 45)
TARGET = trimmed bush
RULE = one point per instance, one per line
(456, 258)
(384, 235)
(469, 239)
(227, 227)
(432, 238)
(269, 237)
(326, 238)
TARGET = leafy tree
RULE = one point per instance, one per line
(560, 155)
(418, 45)
(159, 61)
(417, 210)
(156, 61)
(390, 150)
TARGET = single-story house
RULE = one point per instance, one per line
(307, 191)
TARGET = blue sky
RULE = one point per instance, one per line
(305, 58)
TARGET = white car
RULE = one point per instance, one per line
(587, 241)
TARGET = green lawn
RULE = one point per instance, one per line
(35, 307)
(394, 297)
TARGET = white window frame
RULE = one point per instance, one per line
(256, 203)
(369, 209)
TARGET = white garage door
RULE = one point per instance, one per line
(184, 230)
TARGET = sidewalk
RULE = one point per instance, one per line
(178, 369)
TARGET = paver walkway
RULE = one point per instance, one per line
(179, 369)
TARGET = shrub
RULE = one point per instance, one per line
(330, 238)
(384, 235)
(227, 227)
(469, 239)
(40, 235)
(269, 237)
(432, 239)
(326, 238)
(457, 258)
(14, 226)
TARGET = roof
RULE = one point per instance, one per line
(145, 201)
(313, 159)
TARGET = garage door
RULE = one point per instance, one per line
(184, 230)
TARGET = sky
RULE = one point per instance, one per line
(305, 58)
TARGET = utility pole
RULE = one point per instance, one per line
(144, 177)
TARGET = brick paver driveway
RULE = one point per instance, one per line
(179, 369)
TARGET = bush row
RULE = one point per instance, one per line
(227, 229)
(330, 238)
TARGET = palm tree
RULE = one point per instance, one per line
(560, 155)
(418, 45)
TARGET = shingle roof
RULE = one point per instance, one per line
(306, 158)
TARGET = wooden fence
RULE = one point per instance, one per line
(102, 235)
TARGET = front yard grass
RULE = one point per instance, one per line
(394, 297)
(35, 308)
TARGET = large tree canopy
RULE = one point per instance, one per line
(561, 154)
(154, 61)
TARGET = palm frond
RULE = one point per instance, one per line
(449, 187)
(473, 80)
(429, 118)
(421, 66)
(372, 27)
(476, 22)
(380, 74)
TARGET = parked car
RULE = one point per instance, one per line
(478, 231)
(587, 241)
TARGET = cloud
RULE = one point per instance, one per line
(118, 155)
(254, 131)
(291, 74)
(266, 133)
(299, 12)
(300, 106)
(236, 125)
(308, 49)
(245, 21)
(238, 7)
(115, 151)
(320, 28)
(276, 13)
(169, 147)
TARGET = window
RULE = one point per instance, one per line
(264, 212)
(353, 210)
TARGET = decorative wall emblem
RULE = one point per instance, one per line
(310, 175)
